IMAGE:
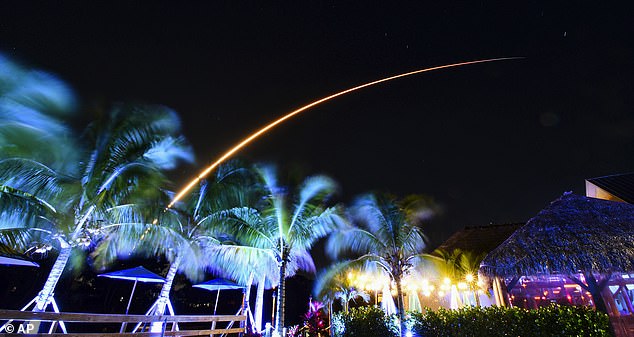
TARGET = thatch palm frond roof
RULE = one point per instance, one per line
(479, 239)
(572, 234)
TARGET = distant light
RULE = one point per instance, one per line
(409, 334)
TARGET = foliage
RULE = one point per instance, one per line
(365, 321)
(334, 284)
(69, 187)
(385, 235)
(315, 320)
(33, 108)
(456, 264)
(284, 226)
(501, 321)
(186, 230)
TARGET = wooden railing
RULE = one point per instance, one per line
(19, 323)
(623, 325)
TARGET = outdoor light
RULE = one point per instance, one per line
(469, 278)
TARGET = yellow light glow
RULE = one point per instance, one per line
(446, 281)
(441, 293)
(289, 115)
(462, 286)
(469, 278)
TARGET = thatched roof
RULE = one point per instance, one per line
(574, 233)
(479, 239)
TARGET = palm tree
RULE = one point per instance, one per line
(32, 104)
(285, 228)
(385, 234)
(335, 284)
(458, 265)
(128, 149)
(185, 233)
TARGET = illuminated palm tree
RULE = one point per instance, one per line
(458, 265)
(335, 284)
(127, 151)
(185, 233)
(285, 228)
(384, 234)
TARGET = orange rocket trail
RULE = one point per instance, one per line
(291, 114)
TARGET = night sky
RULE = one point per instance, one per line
(491, 143)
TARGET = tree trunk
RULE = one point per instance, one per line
(46, 294)
(595, 290)
(281, 298)
(331, 328)
(246, 305)
(164, 297)
(259, 303)
(400, 305)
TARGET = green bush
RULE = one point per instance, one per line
(364, 322)
(549, 321)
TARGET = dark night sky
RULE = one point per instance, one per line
(492, 143)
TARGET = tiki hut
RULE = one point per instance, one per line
(589, 241)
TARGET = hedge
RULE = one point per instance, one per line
(551, 321)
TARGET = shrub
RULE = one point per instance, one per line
(364, 322)
(499, 321)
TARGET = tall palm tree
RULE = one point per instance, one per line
(285, 228)
(127, 152)
(185, 233)
(385, 234)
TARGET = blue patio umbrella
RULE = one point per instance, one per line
(13, 261)
(136, 274)
(217, 285)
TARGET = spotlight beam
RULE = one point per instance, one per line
(291, 114)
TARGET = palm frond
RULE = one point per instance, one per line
(243, 223)
(32, 177)
(237, 262)
(14, 240)
(350, 239)
(311, 193)
(318, 226)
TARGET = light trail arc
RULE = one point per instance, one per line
(293, 113)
